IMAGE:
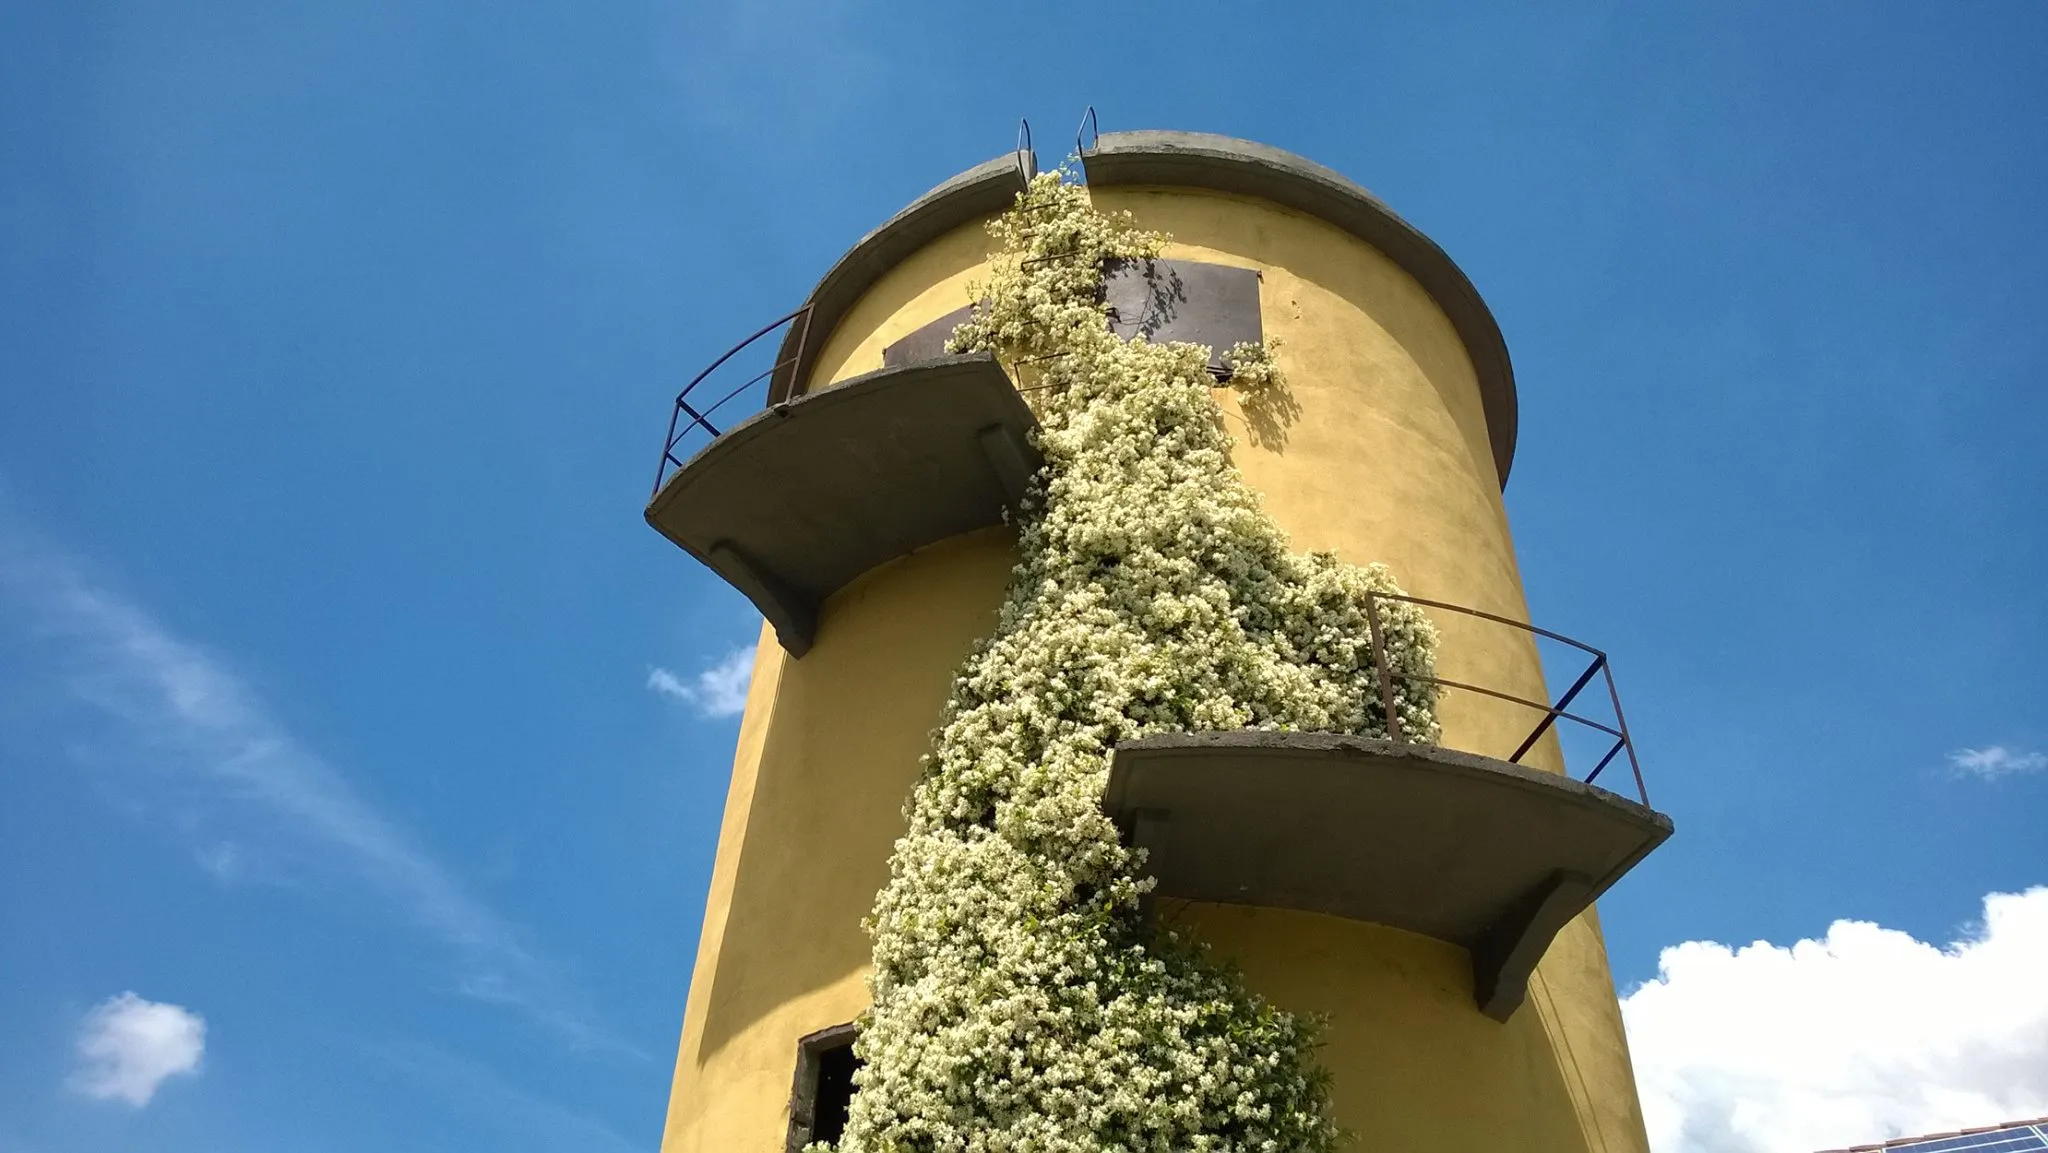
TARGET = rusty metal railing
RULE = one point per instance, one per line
(700, 414)
(1552, 713)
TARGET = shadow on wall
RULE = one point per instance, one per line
(1144, 296)
(1268, 414)
(1152, 300)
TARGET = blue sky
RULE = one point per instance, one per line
(336, 344)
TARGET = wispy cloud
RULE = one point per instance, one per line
(525, 1119)
(1997, 761)
(128, 1046)
(191, 728)
(1861, 1035)
(719, 691)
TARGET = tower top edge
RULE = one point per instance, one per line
(1197, 160)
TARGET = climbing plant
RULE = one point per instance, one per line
(1019, 1000)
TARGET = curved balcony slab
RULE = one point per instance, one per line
(802, 498)
(1242, 167)
(1463, 848)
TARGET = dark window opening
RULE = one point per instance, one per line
(1166, 300)
(1161, 300)
(818, 1106)
(835, 1093)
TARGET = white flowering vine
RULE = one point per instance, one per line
(1020, 1001)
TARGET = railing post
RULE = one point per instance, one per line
(668, 449)
(1379, 661)
(796, 363)
(1627, 742)
(1624, 741)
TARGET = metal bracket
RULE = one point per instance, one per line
(1027, 156)
(1089, 129)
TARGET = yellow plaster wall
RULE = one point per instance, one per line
(1416, 1066)
(1386, 457)
(828, 750)
(1383, 455)
(934, 281)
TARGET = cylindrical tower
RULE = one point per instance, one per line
(864, 520)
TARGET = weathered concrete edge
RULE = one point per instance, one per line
(1504, 955)
(981, 191)
(795, 619)
(1656, 826)
(1247, 168)
(1340, 743)
(839, 392)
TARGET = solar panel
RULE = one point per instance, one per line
(2012, 1139)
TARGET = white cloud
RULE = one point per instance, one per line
(200, 744)
(1997, 761)
(128, 1047)
(1860, 1036)
(666, 683)
(719, 691)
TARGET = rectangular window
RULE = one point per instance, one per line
(1164, 300)
(1212, 304)
(818, 1104)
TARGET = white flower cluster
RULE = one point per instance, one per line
(1020, 1002)
(1252, 369)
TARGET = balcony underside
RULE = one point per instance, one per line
(802, 498)
(1466, 849)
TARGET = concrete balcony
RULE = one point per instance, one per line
(798, 500)
(1467, 848)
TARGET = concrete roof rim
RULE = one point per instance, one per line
(1190, 159)
(981, 191)
(1245, 167)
